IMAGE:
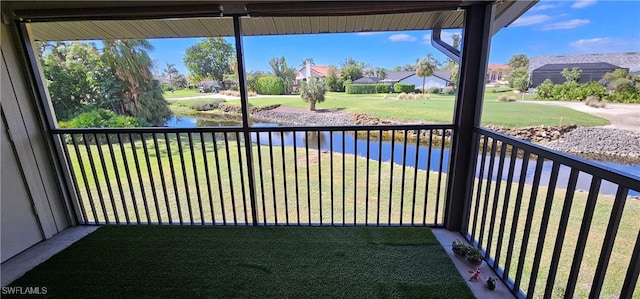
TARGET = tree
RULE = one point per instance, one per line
(572, 75)
(284, 72)
(142, 96)
(620, 80)
(351, 72)
(425, 68)
(348, 61)
(209, 59)
(518, 61)
(252, 80)
(452, 65)
(351, 69)
(69, 69)
(312, 91)
(382, 73)
(308, 59)
(333, 82)
(519, 80)
(172, 72)
(370, 72)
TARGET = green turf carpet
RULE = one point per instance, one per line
(248, 262)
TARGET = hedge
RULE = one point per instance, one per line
(404, 87)
(270, 85)
(383, 88)
(360, 88)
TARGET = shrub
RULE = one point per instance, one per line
(101, 118)
(270, 85)
(435, 90)
(360, 88)
(505, 98)
(449, 91)
(346, 83)
(595, 102)
(621, 85)
(545, 91)
(383, 88)
(418, 96)
(593, 89)
(207, 106)
(402, 96)
(404, 87)
(625, 97)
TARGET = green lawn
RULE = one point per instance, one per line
(439, 109)
(620, 257)
(250, 262)
(279, 199)
(183, 93)
(312, 200)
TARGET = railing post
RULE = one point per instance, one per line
(242, 86)
(473, 66)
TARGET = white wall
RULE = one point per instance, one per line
(30, 187)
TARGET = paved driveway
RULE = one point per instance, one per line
(621, 116)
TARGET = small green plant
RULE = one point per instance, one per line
(460, 248)
(474, 256)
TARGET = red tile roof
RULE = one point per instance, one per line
(498, 67)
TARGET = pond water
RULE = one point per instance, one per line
(436, 160)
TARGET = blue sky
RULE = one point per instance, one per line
(550, 27)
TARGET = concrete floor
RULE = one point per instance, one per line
(28, 259)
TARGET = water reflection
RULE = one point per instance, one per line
(421, 156)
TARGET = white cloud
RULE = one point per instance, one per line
(368, 33)
(583, 3)
(402, 38)
(566, 24)
(530, 20)
(593, 43)
(542, 7)
(604, 44)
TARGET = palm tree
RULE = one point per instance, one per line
(312, 91)
(172, 73)
(382, 73)
(132, 65)
(425, 68)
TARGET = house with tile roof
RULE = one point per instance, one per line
(310, 70)
(498, 73)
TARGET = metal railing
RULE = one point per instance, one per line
(357, 175)
(552, 225)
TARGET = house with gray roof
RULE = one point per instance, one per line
(628, 60)
(553, 71)
(367, 80)
(440, 79)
